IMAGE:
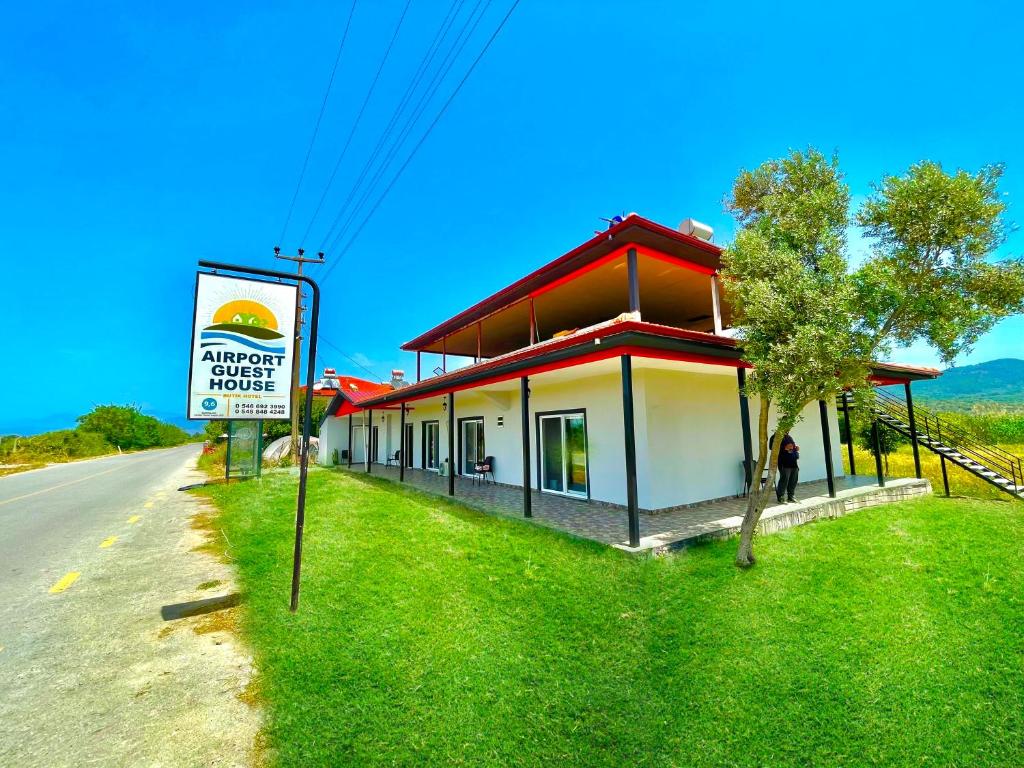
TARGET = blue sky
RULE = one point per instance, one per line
(138, 137)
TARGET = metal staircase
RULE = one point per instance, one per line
(992, 464)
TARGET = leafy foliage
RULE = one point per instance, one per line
(786, 278)
(930, 277)
(99, 432)
(126, 427)
(810, 327)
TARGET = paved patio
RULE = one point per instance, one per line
(663, 531)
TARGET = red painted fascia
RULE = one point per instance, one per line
(589, 335)
(611, 232)
(618, 252)
(601, 354)
(885, 381)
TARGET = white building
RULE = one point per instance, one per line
(608, 374)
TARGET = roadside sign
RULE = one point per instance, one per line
(243, 332)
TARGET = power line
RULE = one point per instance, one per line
(420, 143)
(341, 352)
(359, 117)
(319, 118)
(417, 78)
(435, 84)
(425, 100)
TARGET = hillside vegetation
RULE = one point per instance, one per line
(105, 429)
(992, 386)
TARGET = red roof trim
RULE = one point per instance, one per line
(602, 354)
(508, 294)
(581, 337)
(617, 253)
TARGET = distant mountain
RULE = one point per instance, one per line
(996, 381)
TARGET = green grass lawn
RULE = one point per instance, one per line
(432, 634)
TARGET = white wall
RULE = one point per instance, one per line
(694, 445)
(694, 442)
(688, 432)
(333, 437)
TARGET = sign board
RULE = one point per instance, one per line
(243, 334)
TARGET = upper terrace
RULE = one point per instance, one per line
(636, 266)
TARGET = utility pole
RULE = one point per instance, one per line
(299, 260)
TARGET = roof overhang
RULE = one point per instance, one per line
(601, 342)
(635, 231)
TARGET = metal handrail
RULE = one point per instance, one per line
(958, 434)
(961, 443)
(1007, 464)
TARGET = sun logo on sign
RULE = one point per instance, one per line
(245, 322)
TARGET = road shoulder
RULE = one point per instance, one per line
(99, 676)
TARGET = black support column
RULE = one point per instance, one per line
(401, 447)
(826, 438)
(748, 447)
(451, 443)
(350, 441)
(630, 450)
(849, 432)
(913, 430)
(524, 399)
(876, 440)
(634, 280)
(369, 441)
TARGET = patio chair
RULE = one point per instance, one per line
(483, 468)
(747, 470)
(396, 459)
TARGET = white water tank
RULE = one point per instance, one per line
(695, 228)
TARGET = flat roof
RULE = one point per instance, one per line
(633, 229)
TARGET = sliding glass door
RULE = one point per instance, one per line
(431, 445)
(407, 446)
(473, 450)
(563, 446)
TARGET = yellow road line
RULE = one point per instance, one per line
(134, 519)
(64, 485)
(108, 542)
(65, 581)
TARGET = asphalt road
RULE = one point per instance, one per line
(91, 672)
(47, 514)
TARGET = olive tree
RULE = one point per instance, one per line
(787, 279)
(810, 327)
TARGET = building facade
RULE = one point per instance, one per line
(609, 374)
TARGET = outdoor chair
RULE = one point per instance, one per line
(747, 470)
(396, 459)
(483, 468)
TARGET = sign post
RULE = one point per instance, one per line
(243, 371)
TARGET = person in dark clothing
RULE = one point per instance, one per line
(789, 469)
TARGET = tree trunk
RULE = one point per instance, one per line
(758, 498)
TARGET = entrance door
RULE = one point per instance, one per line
(563, 446)
(373, 445)
(472, 444)
(407, 446)
(358, 444)
(431, 445)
